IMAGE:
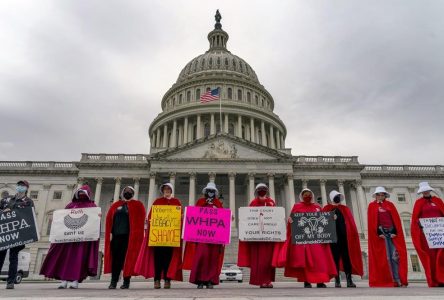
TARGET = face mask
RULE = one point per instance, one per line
(337, 199)
(210, 194)
(262, 193)
(127, 195)
(83, 197)
(306, 198)
(21, 189)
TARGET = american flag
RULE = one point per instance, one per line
(209, 96)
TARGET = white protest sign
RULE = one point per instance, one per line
(433, 229)
(75, 225)
(262, 223)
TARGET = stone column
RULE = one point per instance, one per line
(264, 138)
(271, 186)
(198, 128)
(165, 136)
(304, 183)
(152, 190)
(173, 181)
(341, 187)
(362, 204)
(250, 186)
(180, 139)
(212, 125)
(174, 135)
(80, 181)
(192, 191)
(239, 126)
(117, 189)
(212, 177)
(136, 187)
(185, 130)
(158, 138)
(252, 133)
(98, 191)
(272, 144)
(323, 192)
(282, 142)
(355, 208)
(232, 195)
(291, 198)
(226, 123)
(278, 139)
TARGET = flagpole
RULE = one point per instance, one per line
(220, 110)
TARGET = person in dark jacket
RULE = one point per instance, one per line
(18, 201)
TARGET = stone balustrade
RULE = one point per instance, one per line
(114, 158)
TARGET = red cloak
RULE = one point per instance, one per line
(431, 259)
(136, 213)
(379, 271)
(308, 263)
(192, 255)
(145, 261)
(258, 255)
(354, 245)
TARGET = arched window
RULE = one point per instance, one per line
(180, 99)
(188, 96)
(262, 102)
(234, 64)
(197, 94)
(248, 97)
(230, 93)
(231, 128)
(256, 98)
(206, 129)
(226, 62)
(203, 63)
(239, 95)
(211, 61)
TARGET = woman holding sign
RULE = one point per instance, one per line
(309, 263)
(159, 261)
(123, 237)
(203, 259)
(432, 259)
(347, 250)
(258, 255)
(73, 262)
(385, 236)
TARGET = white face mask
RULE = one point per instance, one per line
(21, 189)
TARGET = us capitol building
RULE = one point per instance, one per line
(191, 144)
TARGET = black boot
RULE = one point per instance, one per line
(321, 285)
(337, 281)
(112, 285)
(350, 283)
(307, 285)
(126, 283)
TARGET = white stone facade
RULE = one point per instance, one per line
(189, 147)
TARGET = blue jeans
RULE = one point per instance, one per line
(392, 257)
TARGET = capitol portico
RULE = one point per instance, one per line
(237, 146)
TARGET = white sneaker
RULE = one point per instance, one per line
(63, 284)
(74, 284)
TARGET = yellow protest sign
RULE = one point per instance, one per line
(165, 225)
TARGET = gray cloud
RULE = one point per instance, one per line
(347, 78)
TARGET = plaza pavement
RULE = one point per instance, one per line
(283, 290)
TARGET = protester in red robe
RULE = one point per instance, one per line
(385, 236)
(311, 263)
(123, 237)
(432, 259)
(205, 260)
(258, 255)
(347, 250)
(160, 262)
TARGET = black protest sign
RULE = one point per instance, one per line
(313, 228)
(17, 227)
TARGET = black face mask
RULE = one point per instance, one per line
(128, 195)
(337, 199)
(210, 194)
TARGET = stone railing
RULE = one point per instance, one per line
(404, 169)
(327, 160)
(37, 165)
(113, 158)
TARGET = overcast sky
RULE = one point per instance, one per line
(361, 78)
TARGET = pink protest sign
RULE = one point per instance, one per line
(207, 225)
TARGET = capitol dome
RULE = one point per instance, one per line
(247, 107)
